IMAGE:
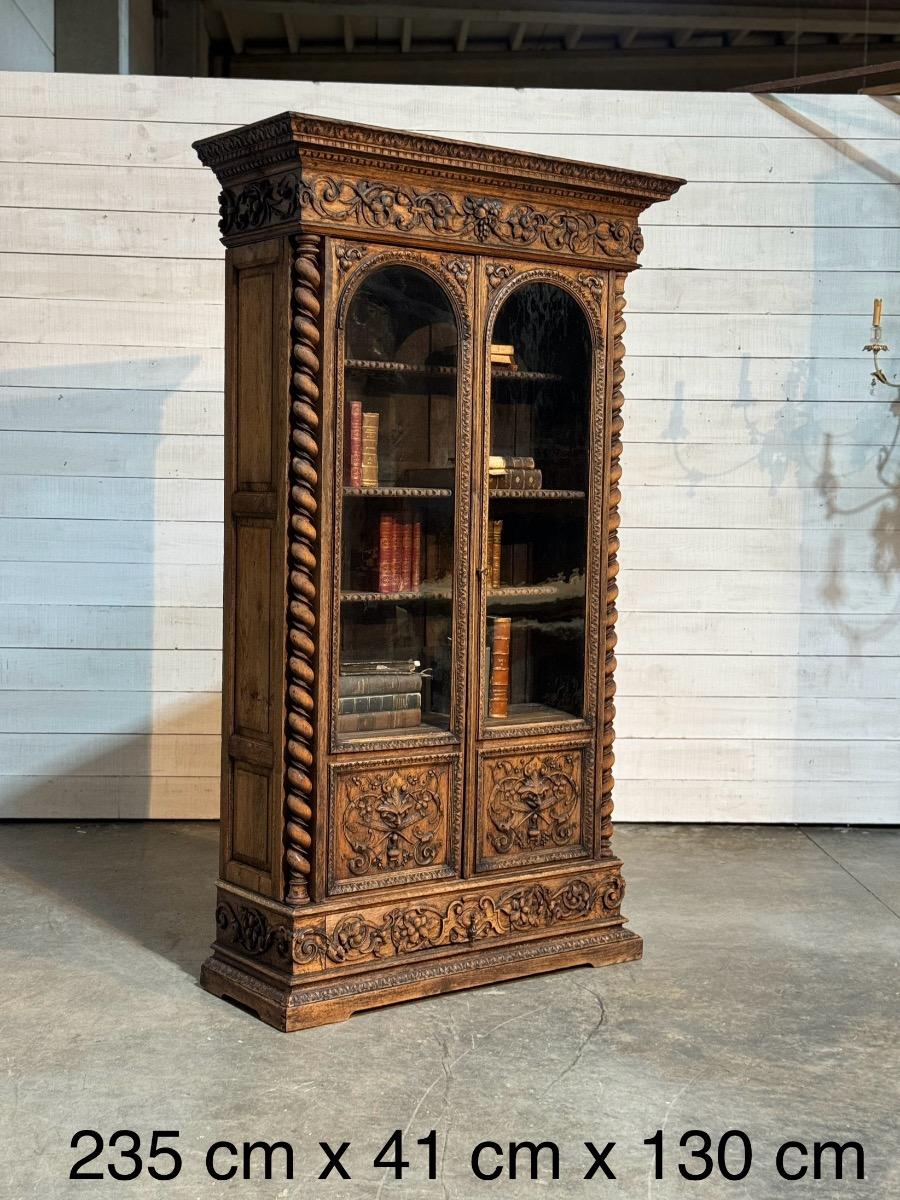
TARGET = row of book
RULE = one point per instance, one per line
(379, 695)
(363, 464)
(399, 552)
(513, 473)
(503, 355)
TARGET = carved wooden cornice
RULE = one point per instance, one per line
(293, 168)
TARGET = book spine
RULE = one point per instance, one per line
(416, 572)
(376, 666)
(390, 702)
(504, 462)
(356, 417)
(406, 540)
(498, 694)
(370, 449)
(496, 551)
(405, 718)
(378, 684)
(516, 479)
(385, 537)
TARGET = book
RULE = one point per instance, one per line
(416, 572)
(503, 355)
(496, 547)
(516, 481)
(405, 539)
(356, 417)
(369, 465)
(375, 666)
(387, 702)
(378, 683)
(503, 462)
(385, 553)
(498, 687)
(404, 718)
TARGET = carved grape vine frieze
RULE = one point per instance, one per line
(383, 205)
(533, 801)
(392, 821)
(459, 268)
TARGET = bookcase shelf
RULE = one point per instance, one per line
(528, 714)
(535, 494)
(394, 597)
(399, 493)
(524, 591)
(525, 376)
(374, 364)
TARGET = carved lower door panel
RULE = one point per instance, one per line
(532, 807)
(394, 821)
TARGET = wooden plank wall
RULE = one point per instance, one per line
(759, 672)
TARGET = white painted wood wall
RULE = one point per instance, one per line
(759, 672)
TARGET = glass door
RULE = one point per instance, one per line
(397, 504)
(535, 538)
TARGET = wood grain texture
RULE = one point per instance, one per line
(111, 374)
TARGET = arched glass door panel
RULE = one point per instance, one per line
(536, 537)
(397, 532)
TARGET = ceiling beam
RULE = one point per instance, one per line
(291, 32)
(775, 85)
(233, 29)
(406, 35)
(659, 16)
(349, 40)
(682, 38)
(573, 37)
(518, 37)
(626, 38)
(462, 36)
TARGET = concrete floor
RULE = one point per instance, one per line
(767, 1001)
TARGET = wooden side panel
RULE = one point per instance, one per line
(257, 373)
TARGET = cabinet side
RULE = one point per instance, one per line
(256, 382)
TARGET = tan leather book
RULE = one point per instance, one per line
(496, 544)
(498, 691)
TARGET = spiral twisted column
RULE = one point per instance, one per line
(612, 570)
(303, 562)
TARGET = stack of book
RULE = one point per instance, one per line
(363, 439)
(508, 473)
(399, 552)
(503, 356)
(379, 695)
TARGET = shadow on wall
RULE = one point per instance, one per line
(110, 621)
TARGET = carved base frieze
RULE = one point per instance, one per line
(292, 1005)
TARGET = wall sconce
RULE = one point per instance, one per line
(878, 347)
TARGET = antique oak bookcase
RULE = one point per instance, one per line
(423, 389)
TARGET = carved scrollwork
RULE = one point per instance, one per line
(532, 802)
(267, 201)
(592, 284)
(251, 930)
(498, 272)
(392, 821)
(482, 219)
(459, 268)
(348, 254)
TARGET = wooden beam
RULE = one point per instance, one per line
(233, 29)
(736, 36)
(682, 38)
(291, 32)
(779, 85)
(406, 35)
(349, 39)
(462, 36)
(518, 37)
(573, 37)
(626, 38)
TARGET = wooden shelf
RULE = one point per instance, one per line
(374, 364)
(399, 493)
(394, 597)
(514, 591)
(534, 494)
(528, 714)
(525, 376)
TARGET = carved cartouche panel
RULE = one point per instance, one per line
(531, 806)
(394, 822)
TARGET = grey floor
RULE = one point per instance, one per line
(767, 1001)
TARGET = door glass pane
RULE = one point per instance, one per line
(536, 544)
(399, 443)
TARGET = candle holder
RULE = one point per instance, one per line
(877, 346)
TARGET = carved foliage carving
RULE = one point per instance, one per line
(392, 820)
(267, 201)
(534, 801)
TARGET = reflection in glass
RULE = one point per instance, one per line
(399, 443)
(537, 520)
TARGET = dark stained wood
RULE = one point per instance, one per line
(357, 871)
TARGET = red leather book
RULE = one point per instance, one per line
(416, 577)
(406, 540)
(385, 582)
(356, 417)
